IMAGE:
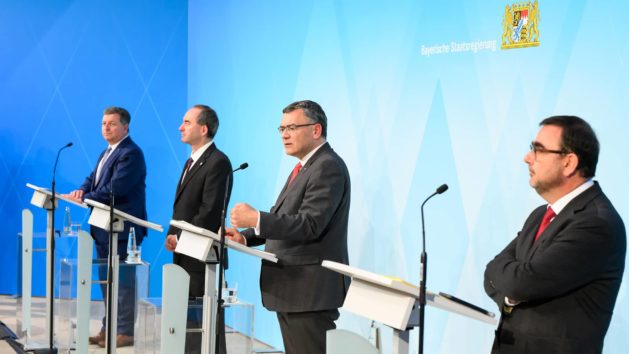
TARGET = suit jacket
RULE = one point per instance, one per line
(307, 224)
(125, 171)
(567, 280)
(199, 201)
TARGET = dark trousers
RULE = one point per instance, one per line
(305, 332)
(126, 287)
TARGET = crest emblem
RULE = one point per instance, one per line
(519, 25)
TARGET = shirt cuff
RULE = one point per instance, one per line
(257, 228)
(509, 302)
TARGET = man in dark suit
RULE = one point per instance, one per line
(556, 283)
(120, 168)
(307, 224)
(199, 200)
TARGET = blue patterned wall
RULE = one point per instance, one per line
(61, 64)
(403, 121)
(406, 122)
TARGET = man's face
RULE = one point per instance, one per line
(113, 130)
(192, 133)
(546, 167)
(301, 140)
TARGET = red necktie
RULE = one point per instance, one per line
(294, 173)
(548, 216)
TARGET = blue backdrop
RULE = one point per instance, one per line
(403, 120)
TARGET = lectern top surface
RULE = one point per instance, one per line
(125, 216)
(229, 243)
(57, 195)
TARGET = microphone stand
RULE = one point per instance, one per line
(110, 270)
(221, 260)
(423, 269)
(53, 199)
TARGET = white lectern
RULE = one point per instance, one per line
(391, 302)
(101, 218)
(197, 243)
(42, 198)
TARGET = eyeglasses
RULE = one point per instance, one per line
(292, 127)
(537, 148)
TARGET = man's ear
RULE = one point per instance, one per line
(318, 131)
(571, 163)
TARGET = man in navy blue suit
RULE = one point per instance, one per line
(120, 167)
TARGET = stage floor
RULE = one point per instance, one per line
(236, 342)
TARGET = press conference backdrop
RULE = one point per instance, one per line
(417, 94)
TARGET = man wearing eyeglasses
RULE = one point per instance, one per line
(556, 283)
(307, 224)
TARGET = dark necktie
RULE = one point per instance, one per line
(294, 173)
(186, 167)
(548, 216)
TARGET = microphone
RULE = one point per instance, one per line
(423, 271)
(54, 169)
(442, 188)
(222, 260)
(52, 250)
(242, 166)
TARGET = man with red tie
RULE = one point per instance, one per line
(307, 224)
(556, 283)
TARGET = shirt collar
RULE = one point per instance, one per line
(309, 155)
(114, 146)
(197, 154)
(563, 201)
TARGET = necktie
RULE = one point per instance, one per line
(101, 163)
(548, 216)
(186, 167)
(294, 173)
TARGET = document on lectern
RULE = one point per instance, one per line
(183, 225)
(366, 286)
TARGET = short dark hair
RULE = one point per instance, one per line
(577, 137)
(313, 111)
(125, 117)
(209, 118)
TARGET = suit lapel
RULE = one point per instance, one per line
(574, 207)
(110, 160)
(301, 176)
(193, 170)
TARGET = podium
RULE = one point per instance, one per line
(393, 302)
(41, 198)
(197, 242)
(103, 217)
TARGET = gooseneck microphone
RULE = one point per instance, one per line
(423, 271)
(52, 252)
(221, 259)
(242, 166)
(54, 169)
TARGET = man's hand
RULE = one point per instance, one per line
(233, 234)
(171, 242)
(243, 215)
(76, 195)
